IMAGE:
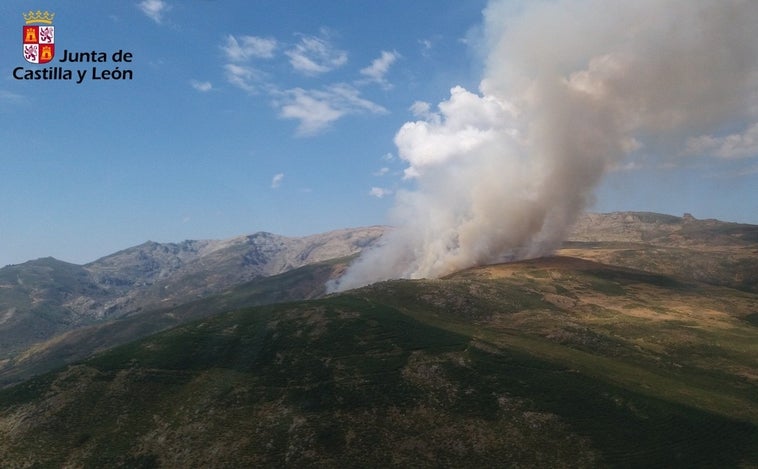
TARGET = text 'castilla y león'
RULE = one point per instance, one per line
(79, 75)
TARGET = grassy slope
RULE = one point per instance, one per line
(303, 283)
(546, 363)
(730, 266)
(690, 342)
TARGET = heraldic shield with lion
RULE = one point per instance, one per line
(38, 37)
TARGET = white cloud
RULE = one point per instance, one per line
(379, 192)
(276, 181)
(242, 77)
(9, 96)
(465, 123)
(377, 71)
(154, 9)
(314, 112)
(315, 55)
(426, 46)
(317, 109)
(348, 97)
(247, 47)
(314, 109)
(241, 49)
(382, 171)
(423, 109)
(738, 145)
(202, 86)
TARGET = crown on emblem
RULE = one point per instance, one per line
(39, 17)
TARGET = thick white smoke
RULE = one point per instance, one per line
(571, 87)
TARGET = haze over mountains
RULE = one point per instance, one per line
(635, 346)
(44, 297)
(154, 274)
(47, 306)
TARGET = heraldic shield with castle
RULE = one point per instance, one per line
(39, 37)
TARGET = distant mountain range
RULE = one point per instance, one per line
(711, 251)
(45, 297)
(554, 362)
(633, 346)
(42, 298)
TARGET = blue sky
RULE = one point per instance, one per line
(254, 116)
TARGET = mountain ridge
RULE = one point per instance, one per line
(306, 282)
(43, 297)
(549, 362)
(634, 346)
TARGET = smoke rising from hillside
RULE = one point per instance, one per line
(570, 89)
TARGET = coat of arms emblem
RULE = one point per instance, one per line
(39, 37)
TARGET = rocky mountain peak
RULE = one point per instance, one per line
(48, 296)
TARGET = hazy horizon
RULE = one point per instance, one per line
(284, 117)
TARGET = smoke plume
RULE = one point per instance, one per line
(571, 88)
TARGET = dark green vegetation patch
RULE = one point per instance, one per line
(636, 347)
(400, 374)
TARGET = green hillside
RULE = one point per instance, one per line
(556, 362)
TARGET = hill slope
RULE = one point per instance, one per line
(554, 362)
(34, 296)
(711, 251)
(79, 343)
(42, 298)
